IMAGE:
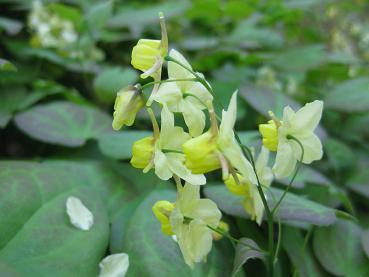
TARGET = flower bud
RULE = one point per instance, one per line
(148, 55)
(142, 152)
(224, 227)
(241, 188)
(269, 133)
(145, 53)
(201, 153)
(127, 104)
(162, 210)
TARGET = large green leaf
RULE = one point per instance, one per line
(365, 242)
(301, 59)
(118, 145)
(350, 96)
(293, 208)
(111, 80)
(154, 254)
(47, 242)
(5, 65)
(246, 249)
(300, 254)
(338, 249)
(63, 123)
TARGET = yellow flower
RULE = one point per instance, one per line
(252, 202)
(269, 133)
(218, 148)
(190, 220)
(187, 97)
(127, 104)
(163, 151)
(148, 55)
(299, 125)
(162, 210)
(202, 153)
(142, 152)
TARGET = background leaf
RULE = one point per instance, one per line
(63, 123)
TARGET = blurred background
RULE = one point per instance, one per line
(62, 63)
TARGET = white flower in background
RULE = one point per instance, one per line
(215, 149)
(79, 216)
(163, 151)
(190, 219)
(252, 202)
(277, 136)
(187, 97)
(115, 265)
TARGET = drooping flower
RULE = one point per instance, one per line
(280, 136)
(148, 55)
(218, 148)
(162, 210)
(163, 151)
(127, 104)
(189, 222)
(252, 202)
(187, 97)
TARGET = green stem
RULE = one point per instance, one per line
(232, 239)
(294, 175)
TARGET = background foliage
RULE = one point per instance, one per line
(56, 139)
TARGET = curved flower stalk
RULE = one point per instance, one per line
(163, 151)
(299, 125)
(127, 104)
(218, 148)
(148, 55)
(252, 201)
(187, 97)
(189, 218)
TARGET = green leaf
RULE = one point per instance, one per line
(98, 15)
(111, 80)
(48, 241)
(301, 59)
(339, 154)
(349, 96)
(63, 123)
(118, 145)
(244, 253)
(338, 249)
(250, 36)
(11, 99)
(11, 26)
(65, 12)
(136, 18)
(6, 66)
(307, 175)
(292, 209)
(365, 242)
(300, 256)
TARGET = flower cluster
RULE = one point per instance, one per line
(50, 29)
(174, 153)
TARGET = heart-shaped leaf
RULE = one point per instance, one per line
(63, 123)
(246, 249)
(338, 249)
